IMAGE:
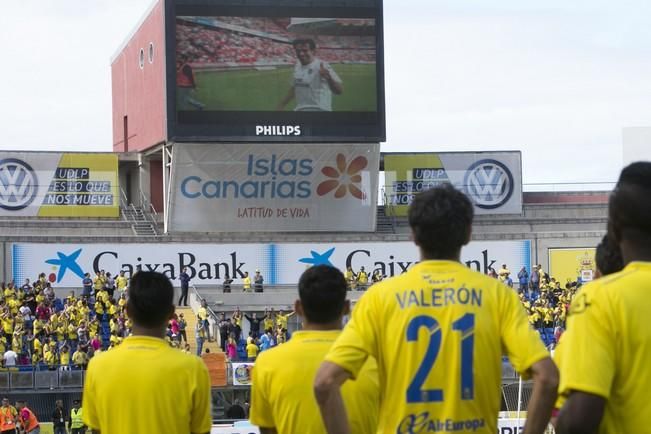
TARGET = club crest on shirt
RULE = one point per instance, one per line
(580, 304)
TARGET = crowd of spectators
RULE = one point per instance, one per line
(546, 300)
(265, 332)
(213, 45)
(41, 330)
(44, 331)
(360, 280)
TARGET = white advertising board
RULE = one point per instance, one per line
(234, 430)
(55, 184)
(209, 264)
(275, 187)
(242, 374)
(492, 180)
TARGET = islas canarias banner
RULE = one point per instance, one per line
(55, 184)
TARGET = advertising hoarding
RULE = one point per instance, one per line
(492, 180)
(276, 187)
(210, 264)
(571, 264)
(242, 374)
(53, 184)
(291, 71)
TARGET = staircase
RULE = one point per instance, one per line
(191, 320)
(384, 222)
(141, 225)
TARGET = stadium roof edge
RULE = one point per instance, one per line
(142, 19)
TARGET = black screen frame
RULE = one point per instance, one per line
(239, 126)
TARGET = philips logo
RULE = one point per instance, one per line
(489, 183)
(18, 184)
(277, 130)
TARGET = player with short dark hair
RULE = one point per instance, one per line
(150, 301)
(438, 332)
(608, 258)
(441, 222)
(160, 388)
(322, 294)
(282, 400)
(307, 41)
(313, 80)
(607, 346)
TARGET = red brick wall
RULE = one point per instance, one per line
(139, 93)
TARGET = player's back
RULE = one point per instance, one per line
(608, 347)
(282, 392)
(438, 332)
(144, 385)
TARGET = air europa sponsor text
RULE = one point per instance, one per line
(270, 178)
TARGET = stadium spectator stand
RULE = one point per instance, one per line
(38, 323)
(239, 41)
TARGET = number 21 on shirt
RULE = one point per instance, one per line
(465, 325)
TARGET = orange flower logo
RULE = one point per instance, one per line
(343, 178)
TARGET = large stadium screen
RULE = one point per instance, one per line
(276, 74)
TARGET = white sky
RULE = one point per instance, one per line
(555, 79)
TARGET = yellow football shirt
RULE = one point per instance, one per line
(281, 320)
(282, 396)
(168, 391)
(438, 332)
(64, 358)
(252, 350)
(121, 282)
(607, 347)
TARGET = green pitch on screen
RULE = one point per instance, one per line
(255, 90)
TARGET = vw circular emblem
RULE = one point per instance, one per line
(489, 183)
(18, 184)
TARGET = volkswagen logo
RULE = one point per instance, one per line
(18, 184)
(489, 183)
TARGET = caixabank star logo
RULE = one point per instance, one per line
(344, 179)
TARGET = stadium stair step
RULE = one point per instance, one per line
(191, 319)
(139, 220)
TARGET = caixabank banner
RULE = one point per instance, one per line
(52, 184)
(492, 180)
(210, 264)
(273, 187)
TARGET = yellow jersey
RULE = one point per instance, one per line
(98, 283)
(8, 325)
(171, 389)
(121, 283)
(252, 350)
(64, 358)
(607, 347)
(281, 320)
(437, 333)
(282, 396)
(202, 313)
(268, 323)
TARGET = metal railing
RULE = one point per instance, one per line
(147, 206)
(35, 378)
